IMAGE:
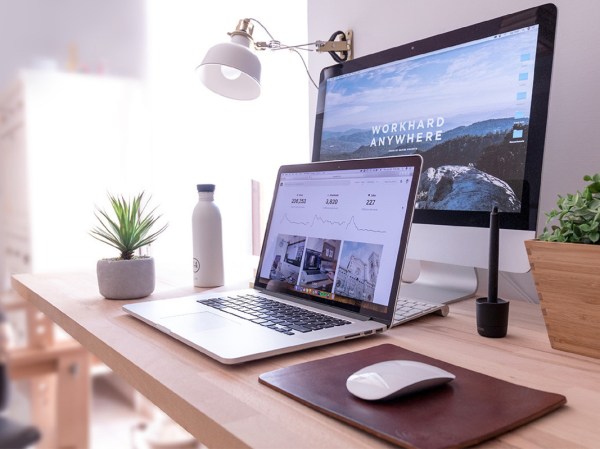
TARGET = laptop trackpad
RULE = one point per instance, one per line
(200, 321)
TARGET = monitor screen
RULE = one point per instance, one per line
(472, 103)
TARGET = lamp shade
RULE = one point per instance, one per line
(231, 69)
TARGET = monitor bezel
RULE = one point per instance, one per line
(544, 16)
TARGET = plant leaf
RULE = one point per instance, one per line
(129, 227)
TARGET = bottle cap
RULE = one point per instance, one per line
(205, 187)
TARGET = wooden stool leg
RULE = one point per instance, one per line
(40, 330)
(42, 394)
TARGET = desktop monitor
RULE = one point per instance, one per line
(473, 103)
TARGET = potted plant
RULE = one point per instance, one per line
(127, 229)
(564, 261)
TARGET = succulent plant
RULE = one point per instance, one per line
(129, 227)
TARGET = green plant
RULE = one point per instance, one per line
(578, 216)
(131, 226)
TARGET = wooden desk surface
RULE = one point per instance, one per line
(226, 407)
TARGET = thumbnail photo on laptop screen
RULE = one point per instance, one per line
(336, 235)
(465, 109)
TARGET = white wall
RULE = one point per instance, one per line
(200, 137)
(105, 36)
(571, 148)
(195, 136)
(84, 36)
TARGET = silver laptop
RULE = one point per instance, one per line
(329, 270)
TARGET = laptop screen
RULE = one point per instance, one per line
(337, 232)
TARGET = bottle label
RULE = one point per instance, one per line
(196, 265)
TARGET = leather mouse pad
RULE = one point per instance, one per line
(472, 408)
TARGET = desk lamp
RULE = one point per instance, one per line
(231, 69)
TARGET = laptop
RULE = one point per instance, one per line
(329, 269)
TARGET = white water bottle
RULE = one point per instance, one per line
(207, 239)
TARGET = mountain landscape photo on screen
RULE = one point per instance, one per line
(465, 110)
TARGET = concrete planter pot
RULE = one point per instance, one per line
(567, 280)
(126, 279)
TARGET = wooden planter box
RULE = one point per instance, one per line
(567, 279)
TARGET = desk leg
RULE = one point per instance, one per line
(73, 401)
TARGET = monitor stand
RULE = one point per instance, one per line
(441, 283)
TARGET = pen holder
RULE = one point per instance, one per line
(492, 317)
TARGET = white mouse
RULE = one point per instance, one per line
(393, 378)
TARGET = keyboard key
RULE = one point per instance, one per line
(259, 320)
(280, 328)
(238, 313)
(267, 324)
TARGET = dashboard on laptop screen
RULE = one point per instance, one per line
(335, 235)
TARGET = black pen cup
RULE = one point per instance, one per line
(492, 318)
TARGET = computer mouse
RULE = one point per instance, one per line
(395, 378)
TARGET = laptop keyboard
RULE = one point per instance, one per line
(275, 315)
(409, 309)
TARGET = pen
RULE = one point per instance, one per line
(493, 262)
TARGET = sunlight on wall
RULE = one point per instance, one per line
(200, 137)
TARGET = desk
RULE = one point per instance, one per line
(226, 407)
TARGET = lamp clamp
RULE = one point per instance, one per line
(339, 45)
(342, 47)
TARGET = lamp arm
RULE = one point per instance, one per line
(275, 45)
(340, 50)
